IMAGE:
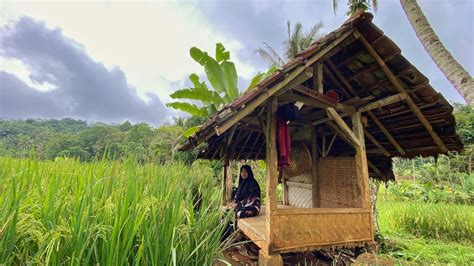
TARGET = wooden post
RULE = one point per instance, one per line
(361, 159)
(286, 198)
(318, 78)
(314, 167)
(226, 195)
(272, 169)
(362, 169)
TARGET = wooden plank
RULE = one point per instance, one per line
(272, 167)
(376, 142)
(314, 167)
(345, 130)
(319, 86)
(297, 81)
(383, 102)
(371, 114)
(400, 89)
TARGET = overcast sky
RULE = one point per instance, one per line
(114, 61)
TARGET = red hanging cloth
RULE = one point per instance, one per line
(283, 142)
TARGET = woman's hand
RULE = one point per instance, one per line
(232, 205)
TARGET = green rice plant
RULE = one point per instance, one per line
(111, 213)
(425, 233)
(430, 220)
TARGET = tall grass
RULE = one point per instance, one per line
(112, 213)
(430, 220)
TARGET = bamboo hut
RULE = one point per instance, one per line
(384, 108)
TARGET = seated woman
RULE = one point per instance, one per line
(247, 198)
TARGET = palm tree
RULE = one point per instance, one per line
(296, 42)
(454, 72)
(355, 6)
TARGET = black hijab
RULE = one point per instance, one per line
(248, 187)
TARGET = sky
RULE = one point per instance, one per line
(113, 61)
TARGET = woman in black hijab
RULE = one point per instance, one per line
(246, 202)
(247, 198)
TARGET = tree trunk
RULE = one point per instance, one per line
(454, 72)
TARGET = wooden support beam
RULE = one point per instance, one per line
(341, 77)
(346, 131)
(400, 89)
(245, 144)
(250, 107)
(361, 160)
(272, 168)
(386, 133)
(383, 102)
(329, 47)
(376, 142)
(301, 78)
(314, 167)
(370, 113)
(319, 85)
(323, 147)
(330, 145)
(377, 170)
(253, 145)
(336, 82)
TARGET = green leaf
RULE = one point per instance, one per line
(221, 53)
(255, 80)
(198, 93)
(230, 76)
(190, 131)
(214, 72)
(189, 108)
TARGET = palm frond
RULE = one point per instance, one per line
(270, 55)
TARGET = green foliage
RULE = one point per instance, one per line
(67, 212)
(354, 6)
(296, 42)
(424, 233)
(435, 192)
(89, 142)
(464, 115)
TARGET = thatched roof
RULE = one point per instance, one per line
(395, 129)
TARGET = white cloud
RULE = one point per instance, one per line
(149, 41)
(19, 69)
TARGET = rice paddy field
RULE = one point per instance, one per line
(425, 233)
(109, 213)
(124, 213)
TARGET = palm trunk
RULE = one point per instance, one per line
(454, 72)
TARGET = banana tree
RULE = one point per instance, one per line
(222, 76)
